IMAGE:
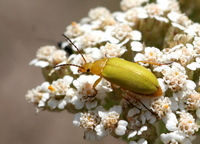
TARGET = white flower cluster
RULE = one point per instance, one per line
(99, 123)
(163, 39)
(49, 56)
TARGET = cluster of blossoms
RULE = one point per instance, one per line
(157, 33)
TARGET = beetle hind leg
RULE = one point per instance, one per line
(118, 90)
(133, 99)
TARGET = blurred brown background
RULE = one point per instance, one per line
(23, 23)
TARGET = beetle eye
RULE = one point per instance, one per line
(88, 70)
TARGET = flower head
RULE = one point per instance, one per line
(157, 36)
(110, 122)
(49, 56)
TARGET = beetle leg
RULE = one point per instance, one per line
(155, 63)
(118, 90)
(94, 85)
(136, 97)
(148, 109)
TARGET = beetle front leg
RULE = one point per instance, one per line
(94, 85)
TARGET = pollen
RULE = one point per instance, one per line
(176, 73)
(74, 23)
(166, 106)
(151, 54)
(51, 88)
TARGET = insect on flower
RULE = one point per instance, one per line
(128, 75)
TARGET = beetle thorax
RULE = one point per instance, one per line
(98, 66)
(95, 68)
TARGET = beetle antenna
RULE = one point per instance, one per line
(75, 47)
(61, 65)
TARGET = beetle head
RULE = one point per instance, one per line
(85, 68)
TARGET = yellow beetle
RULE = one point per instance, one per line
(128, 75)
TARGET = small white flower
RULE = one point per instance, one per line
(49, 56)
(136, 35)
(135, 122)
(193, 29)
(151, 54)
(183, 53)
(162, 84)
(43, 56)
(78, 103)
(39, 63)
(170, 121)
(110, 122)
(91, 135)
(93, 53)
(133, 112)
(180, 20)
(84, 84)
(45, 53)
(154, 9)
(143, 128)
(56, 103)
(132, 134)
(90, 39)
(190, 86)
(161, 106)
(168, 5)
(161, 19)
(58, 56)
(134, 15)
(85, 92)
(128, 4)
(175, 76)
(137, 132)
(88, 120)
(193, 66)
(74, 30)
(112, 50)
(42, 102)
(121, 127)
(39, 95)
(175, 137)
(121, 31)
(140, 141)
(78, 59)
(150, 118)
(60, 86)
(174, 104)
(140, 57)
(101, 18)
(136, 46)
(59, 93)
(98, 13)
(187, 124)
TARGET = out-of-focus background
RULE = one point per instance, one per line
(24, 26)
